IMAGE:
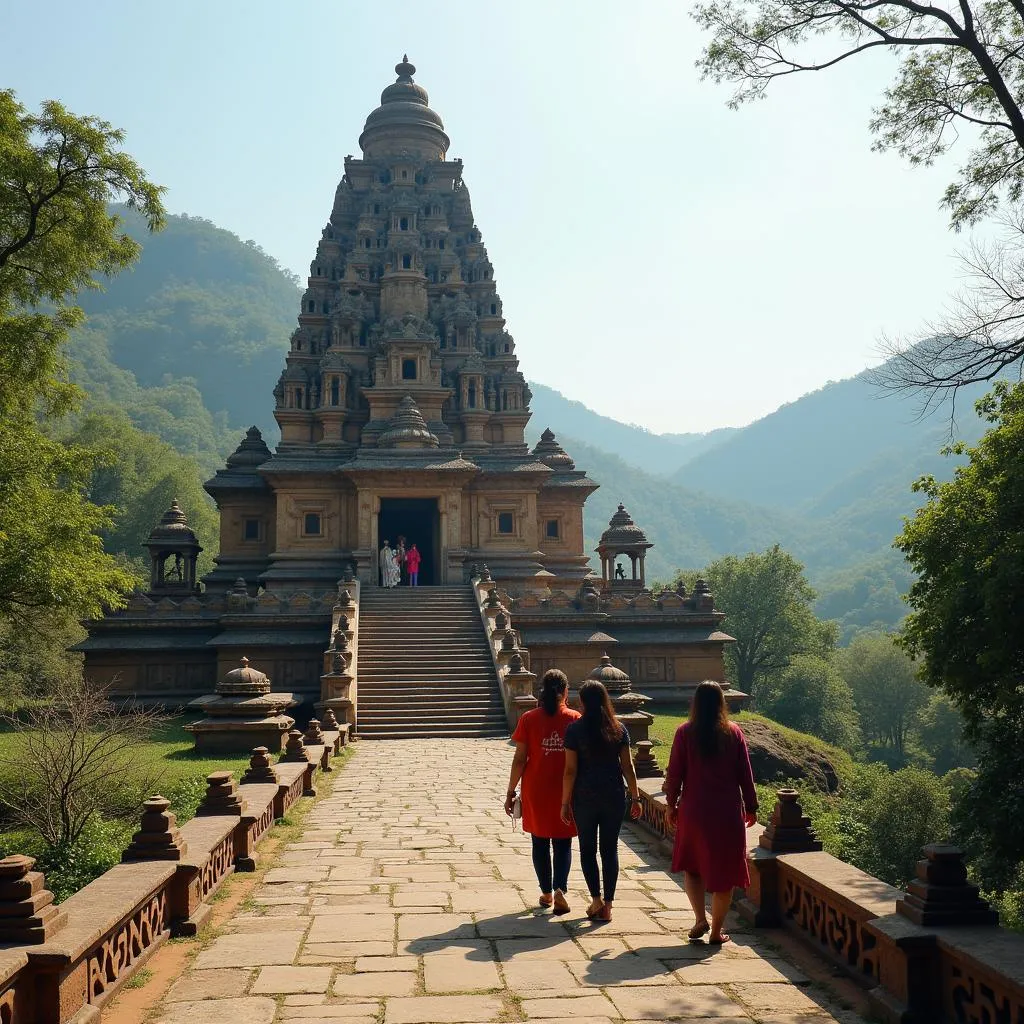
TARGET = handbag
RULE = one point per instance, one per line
(517, 810)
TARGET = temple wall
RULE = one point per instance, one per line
(166, 677)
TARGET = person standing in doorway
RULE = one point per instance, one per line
(540, 762)
(711, 797)
(596, 760)
(412, 564)
(400, 560)
(388, 566)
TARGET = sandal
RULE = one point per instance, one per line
(605, 913)
(717, 940)
(595, 908)
(561, 903)
(698, 931)
(545, 900)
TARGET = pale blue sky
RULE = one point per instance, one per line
(663, 259)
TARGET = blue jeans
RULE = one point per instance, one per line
(552, 876)
(598, 823)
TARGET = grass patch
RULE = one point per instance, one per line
(139, 978)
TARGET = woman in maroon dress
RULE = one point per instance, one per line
(710, 767)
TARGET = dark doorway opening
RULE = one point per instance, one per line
(418, 520)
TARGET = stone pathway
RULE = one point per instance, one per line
(410, 900)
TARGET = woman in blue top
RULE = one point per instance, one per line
(596, 759)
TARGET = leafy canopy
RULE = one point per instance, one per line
(767, 602)
(959, 70)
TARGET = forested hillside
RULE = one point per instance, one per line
(188, 346)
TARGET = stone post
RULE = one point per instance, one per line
(941, 894)
(222, 796)
(644, 762)
(260, 769)
(158, 837)
(788, 831)
(295, 750)
(27, 912)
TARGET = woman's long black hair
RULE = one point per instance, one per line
(601, 727)
(552, 689)
(709, 718)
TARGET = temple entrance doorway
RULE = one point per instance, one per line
(418, 520)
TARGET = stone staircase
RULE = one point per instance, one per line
(425, 666)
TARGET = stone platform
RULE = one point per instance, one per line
(408, 899)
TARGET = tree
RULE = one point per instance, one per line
(56, 233)
(811, 695)
(59, 172)
(767, 603)
(940, 729)
(75, 758)
(959, 72)
(966, 545)
(886, 691)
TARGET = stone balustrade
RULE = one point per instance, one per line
(933, 955)
(510, 658)
(59, 965)
(339, 690)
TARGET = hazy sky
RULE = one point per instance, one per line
(663, 259)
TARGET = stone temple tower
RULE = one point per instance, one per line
(401, 404)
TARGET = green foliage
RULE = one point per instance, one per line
(140, 476)
(51, 556)
(811, 696)
(886, 691)
(957, 67)
(940, 732)
(767, 602)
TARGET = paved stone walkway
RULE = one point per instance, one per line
(410, 900)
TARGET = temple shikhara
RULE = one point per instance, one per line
(403, 411)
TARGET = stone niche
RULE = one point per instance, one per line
(242, 714)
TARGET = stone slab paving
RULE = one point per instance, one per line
(409, 899)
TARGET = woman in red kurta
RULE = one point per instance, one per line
(710, 767)
(539, 761)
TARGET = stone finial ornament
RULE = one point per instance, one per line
(343, 623)
(508, 642)
(789, 829)
(644, 763)
(344, 597)
(515, 663)
(261, 768)
(158, 837)
(492, 602)
(941, 893)
(314, 734)
(330, 721)
(339, 641)
(338, 663)
(485, 575)
(295, 750)
(27, 911)
(500, 622)
(222, 796)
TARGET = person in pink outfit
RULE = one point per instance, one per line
(711, 801)
(412, 564)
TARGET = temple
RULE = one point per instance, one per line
(402, 412)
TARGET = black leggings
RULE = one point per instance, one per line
(558, 876)
(598, 823)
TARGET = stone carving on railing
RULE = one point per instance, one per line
(217, 867)
(338, 689)
(972, 994)
(114, 957)
(815, 911)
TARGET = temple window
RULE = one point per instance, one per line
(494, 311)
(506, 348)
(440, 244)
(444, 343)
(551, 529)
(327, 307)
(311, 525)
(406, 261)
(335, 391)
(405, 174)
(251, 529)
(472, 396)
(403, 223)
(504, 399)
(312, 306)
(298, 398)
(506, 522)
(408, 369)
(376, 207)
(318, 272)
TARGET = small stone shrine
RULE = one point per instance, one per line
(242, 714)
(626, 702)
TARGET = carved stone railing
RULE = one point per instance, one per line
(932, 955)
(62, 964)
(339, 689)
(511, 660)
